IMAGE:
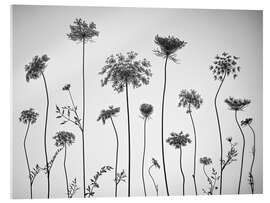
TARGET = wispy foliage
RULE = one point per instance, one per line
(34, 172)
(82, 31)
(188, 99)
(36, 67)
(224, 65)
(73, 188)
(178, 139)
(63, 138)
(28, 116)
(246, 122)
(121, 70)
(146, 110)
(168, 46)
(237, 104)
(94, 181)
(108, 113)
(120, 177)
(231, 154)
(156, 165)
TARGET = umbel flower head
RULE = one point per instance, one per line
(168, 46)
(189, 99)
(36, 67)
(155, 163)
(108, 113)
(123, 70)
(146, 110)
(66, 87)
(28, 116)
(63, 138)
(82, 31)
(205, 160)
(246, 122)
(225, 65)
(178, 139)
(237, 104)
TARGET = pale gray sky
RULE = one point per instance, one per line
(42, 30)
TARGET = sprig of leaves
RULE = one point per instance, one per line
(231, 155)
(212, 182)
(68, 114)
(73, 188)
(34, 172)
(120, 177)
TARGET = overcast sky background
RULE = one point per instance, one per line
(41, 30)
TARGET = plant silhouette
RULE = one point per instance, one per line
(191, 99)
(83, 32)
(238, 105)
(223, 66)
(179, 140)
(34, 70)
(231, 154)
(212, 180)
(167, 50)
(156, 165)
(247, 122)
(146, 111)
(64, 139)
(122, 71)
(103, 116)
(28, 117)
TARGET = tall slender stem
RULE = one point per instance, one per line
(129, 145)
(243, 152)
(65, 169)
(116, 158)
(27, 160)
(195, 152)
(45, 137)
(253, 157)
(181, 169)
(143, 158)
(220, 135)
(153, 180)
(162, 127)
(83, 117)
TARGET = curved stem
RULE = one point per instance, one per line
(65, 169)
(220, 135)
(144, 147)
(253, 157)
(182, 172)
(195, 153)
(27, 160)
(45, 137)
(153, 180)
(208, 179)
(243, 152)
(83, 116)
(129, 147)
(162, 127)
(116, 157)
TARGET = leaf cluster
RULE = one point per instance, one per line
(231, 154)
(246, 122)
(73, 188)
(68, 114)
(120, 177)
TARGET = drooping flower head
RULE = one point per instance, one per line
(146, 110)
(108, 113)
(246, 122)
(224, 65)
(168, 46)
(205, 160)
(123, 70)
(66, 87)
(63, 138)
(188, 99)
(155, 163)
(178, 139)
(36, 67)
(82, 31)
(28, 116)
(237, 104)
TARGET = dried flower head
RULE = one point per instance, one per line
(178, 139)
(146, 110)
(108, 113)
(82, 31)
(63, 138)
(36, 67)
(155, 163)
(229, 139)
(168, 46)
(225, 65)
(246, 122)
(205, 160)
(188, 99)
(66, 87)
(123, 70)
(237, 104)
(28, 116)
